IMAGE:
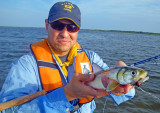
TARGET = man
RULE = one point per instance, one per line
(61, 67)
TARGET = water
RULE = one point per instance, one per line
(111, 46)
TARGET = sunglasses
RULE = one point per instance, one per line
(60, 26)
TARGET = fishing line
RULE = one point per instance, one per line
(149, 94)
(14, 109)
(104, 105)
(146, 60)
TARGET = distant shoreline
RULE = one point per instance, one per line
(136, 32)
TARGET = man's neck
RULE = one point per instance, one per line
(63, 58)
(61, 53)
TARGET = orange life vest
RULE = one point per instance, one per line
(48, 69)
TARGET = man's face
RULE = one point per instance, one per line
(61, 40)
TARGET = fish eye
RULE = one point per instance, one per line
(133, 73)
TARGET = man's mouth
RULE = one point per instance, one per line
(63, 41)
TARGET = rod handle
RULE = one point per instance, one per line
(21, 100)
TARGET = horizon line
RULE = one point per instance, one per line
(123, 31)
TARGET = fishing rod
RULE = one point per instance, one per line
(146, 60)
(27, 98)
(21, 100)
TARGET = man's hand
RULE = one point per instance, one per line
(77, 88)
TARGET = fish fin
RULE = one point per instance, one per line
(112, 85)
(96, 68)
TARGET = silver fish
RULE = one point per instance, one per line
(119, 75)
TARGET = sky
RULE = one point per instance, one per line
(124, 15)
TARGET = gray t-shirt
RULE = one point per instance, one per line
(63, 58)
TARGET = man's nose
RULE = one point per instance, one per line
(64, 32)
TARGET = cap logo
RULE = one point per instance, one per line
(68, 6)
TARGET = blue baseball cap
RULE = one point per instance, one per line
(65, 10)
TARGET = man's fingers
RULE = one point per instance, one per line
(120, 63)
(102, 94)
(127, 88)
(80, 89)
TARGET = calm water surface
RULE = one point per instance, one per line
(111, 46)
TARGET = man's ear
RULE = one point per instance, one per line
(47, 24)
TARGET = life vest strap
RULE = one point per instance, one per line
(47, 64)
